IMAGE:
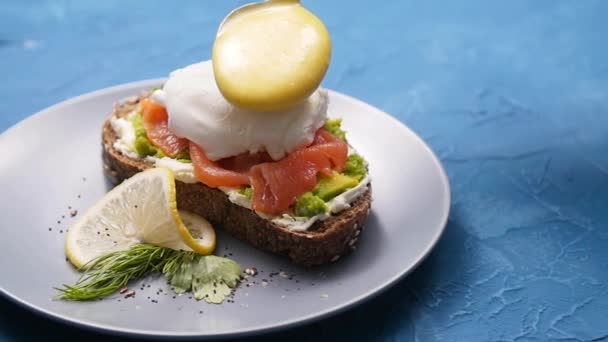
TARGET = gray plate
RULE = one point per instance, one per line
(52, 162)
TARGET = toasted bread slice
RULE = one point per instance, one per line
(325, 241)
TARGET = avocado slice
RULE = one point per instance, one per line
(309, 205)
(355, 167)
(332, 186)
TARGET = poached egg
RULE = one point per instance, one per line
(199, 112)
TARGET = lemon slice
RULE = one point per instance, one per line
(142, 209)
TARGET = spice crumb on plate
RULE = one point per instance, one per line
(252, 271)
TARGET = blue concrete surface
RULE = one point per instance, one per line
(512, 95)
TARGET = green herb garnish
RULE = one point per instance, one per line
(209, 277)
(109, 273)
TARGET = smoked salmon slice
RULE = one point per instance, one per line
(155, 122)
(277, 185)
(212, 174)
(244, 162)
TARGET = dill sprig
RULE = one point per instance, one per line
(111, 272)
(210, 277)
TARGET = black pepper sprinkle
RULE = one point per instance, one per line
(61, 231)
(78, 196)
(50, 229)
(63, 216)
(154, 301)
(58, 222)
(174, 297)
(108, 234)
(136, 206)
(200, 312)
(69, 207)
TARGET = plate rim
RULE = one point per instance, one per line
(257, 330)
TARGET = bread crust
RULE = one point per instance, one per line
(325, 241)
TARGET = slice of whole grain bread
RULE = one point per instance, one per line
(325, 241)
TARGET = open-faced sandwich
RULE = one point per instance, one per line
(286, 180)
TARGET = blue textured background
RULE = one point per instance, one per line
(512, 95)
